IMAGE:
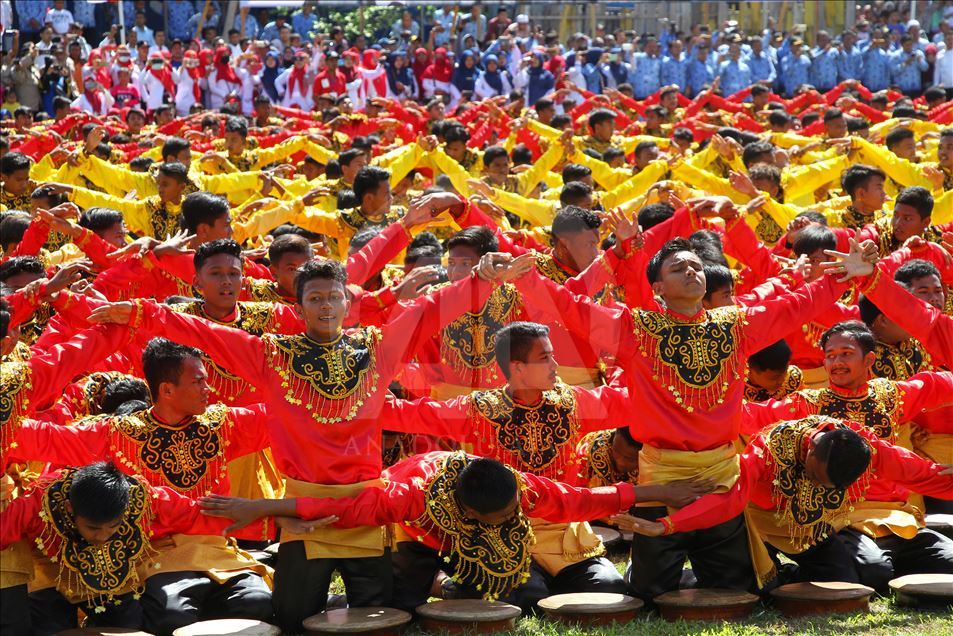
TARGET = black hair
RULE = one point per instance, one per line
(774, 357)
(121, 391)
(130, 407)
(206, 251)
(857, 176)
(363, 237)
(202, 208)
(480, 239)
(513, 342)
(425, 238)
(367, 180)
(809, 118)
(543, 104)
(655, 213)
(845, 453)
(521, 155)
(766, 171)
(163, 360)
(492, 153)
(173, 146)
(425, 254)
(318, 269)
(914, 269)
(707, 246)
(236, 125)
(575, 172)
(13, 226)
(813, 238)
(814, 216)
(99, 492)
(559, 121)
(856, 124)
(854, 329)
(717, 277)
(917, 197)
(778, 117)
(572, 219)
(626, 434)
(894, 137)
(456, 132)
(869, 312)
(601, 115)
(684, 134)
(676, 245)
(174, 170)
(574, 194)
(349, 155)
(934, 93)
(759, 89)
(332, 170)
(486, 485)
(612, 153)
(754, 153)
(21, 265)
(642, 146)
(832, 113)
(288, 244)
(14, 162)
(99, 219)
(5, 315)
(141, 164)
(60, 103)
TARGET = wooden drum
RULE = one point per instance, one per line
(591, 608)
(940, 523)
(705, 604)
(380, 621)
(468, 615)
(831, 597)
(241, 626)
(611, 538)
(929, 591)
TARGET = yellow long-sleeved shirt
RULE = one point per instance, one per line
(149, 217)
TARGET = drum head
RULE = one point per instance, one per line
(710, 597)
(608, 536)
(589, 603)
(356, 620)
(822, 591)
(242, 627)
(469, 611)
(937, 587)
(102, 631)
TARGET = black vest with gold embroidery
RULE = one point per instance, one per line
(16, 385)
(96, 574)
(807, 508)
(600, 467)
(538, 439)
(493, 559)
(189, 457)
(793, 381)
(878, 409)
(468, 344)
(331, 380)
(695, 361)
(899, 362)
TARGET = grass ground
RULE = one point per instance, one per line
(885, 618)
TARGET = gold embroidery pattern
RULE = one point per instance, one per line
(356, 220)
(189, 458)
(16, 383)
(851, 218)
(468, 343)
(331, 380)
(808, 509)
(21, 353)
(793, 381)
(602, 470)
(96, 573)
(402, 448)
(878, 410)
(162, 221)
(899, 362)
(90, 402)
(547, 266)
(530, 438)
(695, 361)
(492, 559)
(32, 329)
(768, 229)
(264, 291)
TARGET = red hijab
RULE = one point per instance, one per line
(296, 76)
(164, 75)
(195, 74)
(442, 68)
(224, 70)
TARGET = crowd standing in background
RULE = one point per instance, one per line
(421, 308)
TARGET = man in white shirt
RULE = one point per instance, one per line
(143, 33)
(943, 71)
(59, 17)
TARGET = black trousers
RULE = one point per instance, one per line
(719, 557)
(15, 611)
(416, 565)
(938, 506)
(175, 599)
(50, 613)
(829, 560)
(301, 585)
(885, 558)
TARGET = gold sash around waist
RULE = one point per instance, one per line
(217, 557)
(336, 543)
(559, 545)
(583, 377)
(255, 476)
(815, 378)
(664, 465)
(882, 518)
(936, 446)
(16, 565)
(446, 391)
